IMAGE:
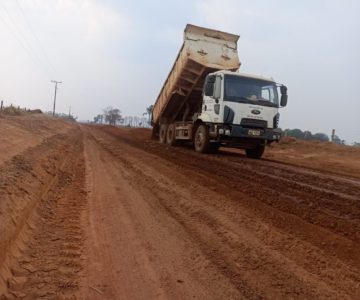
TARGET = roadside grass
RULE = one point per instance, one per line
(17, 111)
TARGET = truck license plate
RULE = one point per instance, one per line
(255, 132)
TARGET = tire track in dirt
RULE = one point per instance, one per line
(263, 251)
(137, 243)
(48, 264)
(326, 208)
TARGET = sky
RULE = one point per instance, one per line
(119, 53)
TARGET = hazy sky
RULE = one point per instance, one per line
(119, 53)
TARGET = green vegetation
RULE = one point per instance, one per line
(17, 111)
(306, 135)
(149, 113)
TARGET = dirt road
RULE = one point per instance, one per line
(127, 218)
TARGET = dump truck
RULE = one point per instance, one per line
(205, 100)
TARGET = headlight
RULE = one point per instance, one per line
(276, 121)
(227, 132)
(221, 131)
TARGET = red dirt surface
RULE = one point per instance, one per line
(97, 212)
(338, 159)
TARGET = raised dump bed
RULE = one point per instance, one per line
(203, 51)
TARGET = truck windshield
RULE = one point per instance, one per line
(250, 90)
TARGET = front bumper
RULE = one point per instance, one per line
(231, 132)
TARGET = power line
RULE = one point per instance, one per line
(35, 36)
(20, 43)
(19, 36)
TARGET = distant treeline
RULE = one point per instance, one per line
(69, 116)
(308, 136)
(112, 116)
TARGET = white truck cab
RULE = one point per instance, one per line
(240, 110)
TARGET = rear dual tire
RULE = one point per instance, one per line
(167, 134)
(170, 135)
(163, 133)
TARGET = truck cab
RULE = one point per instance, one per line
(239, 110)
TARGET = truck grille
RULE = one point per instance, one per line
(253, 123)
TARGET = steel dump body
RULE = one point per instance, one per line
(203, 51)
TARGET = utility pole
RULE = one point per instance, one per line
(69, 111)
(333, 135)
(56, 83)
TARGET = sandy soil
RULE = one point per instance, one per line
(338, 159)
(23, 132)
(114, 215)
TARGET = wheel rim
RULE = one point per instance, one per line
(199, 139)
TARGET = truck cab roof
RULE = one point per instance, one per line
(240, 74)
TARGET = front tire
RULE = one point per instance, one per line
(255, 153)
(201, 139)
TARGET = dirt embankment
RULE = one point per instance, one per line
(337, 159)
(33, 153)
(23, 132)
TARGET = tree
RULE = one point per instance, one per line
(112, 115)
(337, 140)
(296, 133)
(307, 135)
(144, 122)
(149, 112)
(99, 119)
(131, 121)
(321, 137)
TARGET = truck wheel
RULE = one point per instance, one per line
(162, 133)
(255, 152)
(170, 135)
(201, 139)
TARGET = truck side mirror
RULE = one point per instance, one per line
(283, 90)
(284, 96)
(283, 100)
(217, 88)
